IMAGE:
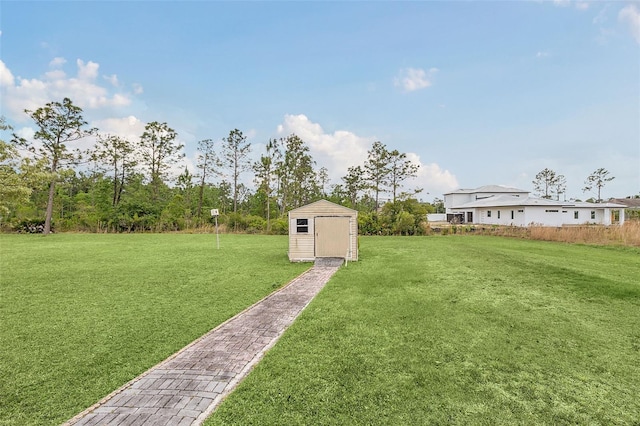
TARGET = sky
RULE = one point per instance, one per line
(474, 92)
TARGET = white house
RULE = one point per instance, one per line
(498, 205)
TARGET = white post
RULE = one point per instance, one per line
(217, 235)
(215, 213)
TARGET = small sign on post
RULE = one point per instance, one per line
(215, 214)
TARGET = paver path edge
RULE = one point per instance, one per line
(189, 385)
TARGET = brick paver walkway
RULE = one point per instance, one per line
(188, 386)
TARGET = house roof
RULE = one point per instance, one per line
(631, 203)
(513, 201)
(489, 189)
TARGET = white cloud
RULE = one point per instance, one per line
(542, 54)
(26, 133)
(112, 79)
(250, 134)
(580, 5)
(342, 149)
(412, 79)
(21, 93)
(631, 16)
(137, 89)
(55, 75)
(57, 62)
(129, 127)
(6, 77)
(432, 178)
(88, 71)
(336, 151)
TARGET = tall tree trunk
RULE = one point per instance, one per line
(235, 188)
(201, 196)
(52, 192)
(268, 212)
(120, 188)
(47, 219)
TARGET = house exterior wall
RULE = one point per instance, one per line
(302, 244)
(500, 216)
(453, 200)
(436, 217)
(541, 215)
(571, 215)
(547, 215)
(497, 205)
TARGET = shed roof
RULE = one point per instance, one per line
(321, 205)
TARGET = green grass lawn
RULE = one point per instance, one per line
(82, 314)
(458, 330)
(429, 330)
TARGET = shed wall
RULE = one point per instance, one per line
(302, 245)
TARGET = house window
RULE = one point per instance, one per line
(593, 214)
(512, 214)
(488, 213)
(498, 214)
(302, 226)
(551, 211)
(520, 211)
(575, 214)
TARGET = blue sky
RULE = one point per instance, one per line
(476, 93)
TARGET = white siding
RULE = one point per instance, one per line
(542, 215)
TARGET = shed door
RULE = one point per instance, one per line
(332, 236)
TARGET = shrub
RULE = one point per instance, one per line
(280, 226)
(254, 224)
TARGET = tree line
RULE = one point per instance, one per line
(552, 185)
(115, 184)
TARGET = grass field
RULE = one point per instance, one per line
(459, 330)
(428, 330)
(82, 314)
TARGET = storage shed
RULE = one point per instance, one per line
(323, 229)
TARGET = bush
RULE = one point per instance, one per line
(279, 226)
(254, 224)
(234, 222)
